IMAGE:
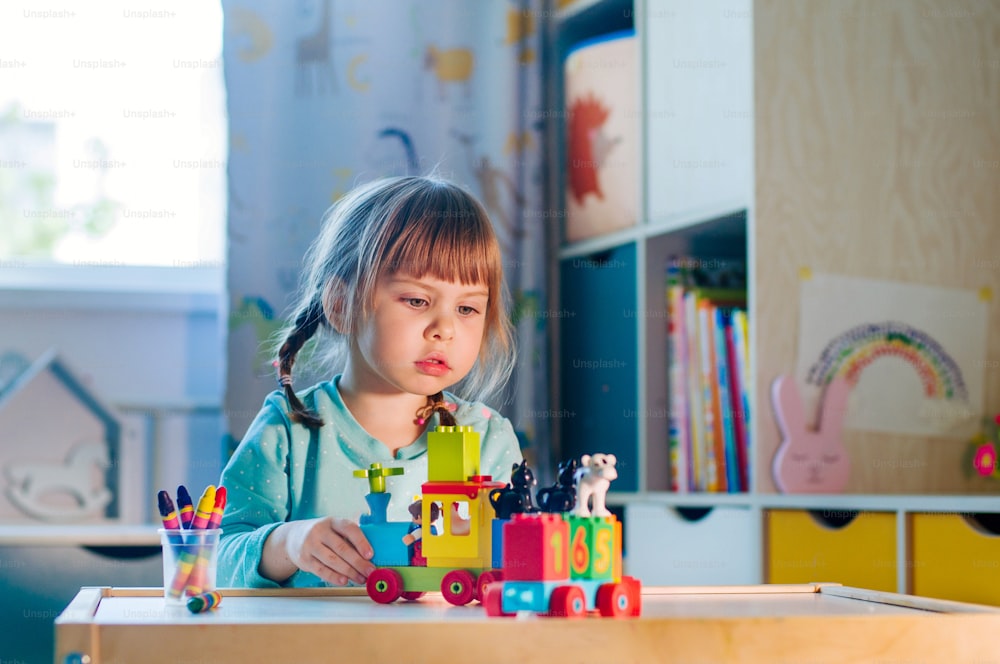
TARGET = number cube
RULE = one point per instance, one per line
(592, 547)
(535, 548)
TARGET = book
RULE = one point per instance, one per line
(722, 365)
(694, 399)
(736, 377)
(678, 430)
(741, 343)
(714, 459)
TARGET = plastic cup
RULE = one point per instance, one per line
(190, 561)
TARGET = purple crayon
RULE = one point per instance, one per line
(185, 505)
(168, 514)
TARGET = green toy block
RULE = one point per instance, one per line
(453, 454)
(591, 547)
(421, 579)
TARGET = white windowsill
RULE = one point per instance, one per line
(198, 288)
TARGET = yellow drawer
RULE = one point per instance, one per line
(816, 546)
(954, 557)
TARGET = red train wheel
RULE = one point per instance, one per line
(412, 595)
(635, 591)
(458, 587)
(493, 601)
(385, 585)
(568, 602)
(485, 579)
(614, 600)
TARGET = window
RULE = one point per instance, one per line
(113, 134)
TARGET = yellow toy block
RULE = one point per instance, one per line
(452, 454)
(461, 542)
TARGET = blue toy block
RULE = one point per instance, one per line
(387, 542)
(527, 596)
(497, 560)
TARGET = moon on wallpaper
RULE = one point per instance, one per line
(249, 24)
(352, 79)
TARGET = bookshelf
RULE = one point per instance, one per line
(766, 142)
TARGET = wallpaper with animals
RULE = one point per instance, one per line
(326, 94)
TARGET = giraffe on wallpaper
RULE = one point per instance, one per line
(313, 58)
(492, 180)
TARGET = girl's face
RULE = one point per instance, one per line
(423, 336)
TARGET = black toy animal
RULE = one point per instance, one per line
(515, 498)
(561, 496)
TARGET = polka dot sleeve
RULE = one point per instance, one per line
(257, 488)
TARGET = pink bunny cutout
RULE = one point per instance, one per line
(810, 460)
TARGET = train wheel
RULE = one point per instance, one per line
(635, 591)
(493, 601)
(385, 585)
(614, 600)
(485, 579)
(412, 595)
(568, 602)
(458, 587)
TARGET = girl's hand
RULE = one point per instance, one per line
(335, 550)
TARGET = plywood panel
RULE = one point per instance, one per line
(877, 139)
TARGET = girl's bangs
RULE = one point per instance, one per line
(446, 248)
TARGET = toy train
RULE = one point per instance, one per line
(494, 545)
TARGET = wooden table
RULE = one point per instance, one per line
(768, 623)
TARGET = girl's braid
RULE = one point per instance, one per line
(436, 402)
(305, 326)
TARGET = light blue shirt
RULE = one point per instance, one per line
(283, 471)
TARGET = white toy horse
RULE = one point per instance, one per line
(593, 478)
(30, 482)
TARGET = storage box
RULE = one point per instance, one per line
(840, 546)
(952, 556)
(691, 546)
(602, 136)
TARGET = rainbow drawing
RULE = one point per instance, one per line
(849, 353)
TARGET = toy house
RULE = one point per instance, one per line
(60, 451)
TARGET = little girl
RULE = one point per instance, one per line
(406, 281)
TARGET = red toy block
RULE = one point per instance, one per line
(535, 548)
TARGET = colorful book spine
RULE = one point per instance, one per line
(741, 342)
(695, 409)
(677, 361)
(736, 377)
(729, 444)
(708, 398)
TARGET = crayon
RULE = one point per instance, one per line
(220, 507)
(185, 564)
(168, 513)
(185, 505)
(205, 506)
(204, 602)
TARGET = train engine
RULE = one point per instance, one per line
(458, 558)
